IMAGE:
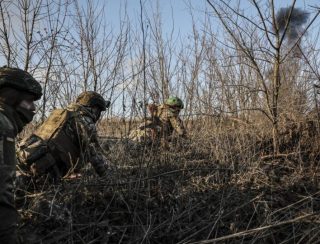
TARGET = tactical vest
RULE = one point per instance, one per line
(53, 132)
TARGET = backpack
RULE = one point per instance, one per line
(59, 143)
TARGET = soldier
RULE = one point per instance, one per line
(18, 91)
(66, 140)
(163, 122)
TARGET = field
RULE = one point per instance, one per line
(248, 75)
(221, 185)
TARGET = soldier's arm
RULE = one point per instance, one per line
(178, 126)
(148, 123)
(98, 161)
(93, 150)
(7, 168)
(7, 173)
(87, 131)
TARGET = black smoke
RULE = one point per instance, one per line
(298, 19)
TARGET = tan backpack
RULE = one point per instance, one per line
(53, 133)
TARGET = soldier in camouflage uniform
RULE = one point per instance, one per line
(66, 140)
(18, 91)
(163, 123)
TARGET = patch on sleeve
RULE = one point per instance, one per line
(10, 139)
(7, 150)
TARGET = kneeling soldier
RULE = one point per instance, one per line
(66, 140)
(164, 121)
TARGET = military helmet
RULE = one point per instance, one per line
(20, 80)
(174, 102)
(91, 98)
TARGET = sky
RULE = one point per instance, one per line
(177, 12)
(174, 12)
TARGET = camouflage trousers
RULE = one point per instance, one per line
(145, 136)
(150, 138)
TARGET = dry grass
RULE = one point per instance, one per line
(219, 186)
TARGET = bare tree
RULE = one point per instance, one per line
(260, 40)
(161, 51)
(50, 46)
(5, 29)
(30, 15)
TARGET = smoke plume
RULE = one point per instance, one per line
(298, 18)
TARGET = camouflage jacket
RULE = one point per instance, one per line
(170, 121)
(8, 132)
(70, 137)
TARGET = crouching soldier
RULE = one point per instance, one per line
(162, 124)
(18, 91)
(66, 140)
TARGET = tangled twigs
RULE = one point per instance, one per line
(253, 231)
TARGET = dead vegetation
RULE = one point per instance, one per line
(222, 186)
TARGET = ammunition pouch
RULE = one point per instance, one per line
(31, 150)
(35, 157)
(37, 154)
(42, 165)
